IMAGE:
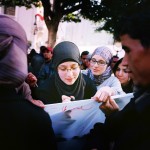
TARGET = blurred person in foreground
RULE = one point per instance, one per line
(130, 127)
(24, 126)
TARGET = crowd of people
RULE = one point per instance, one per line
(56, 75)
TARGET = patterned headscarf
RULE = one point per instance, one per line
(13, 53)
(106, 54)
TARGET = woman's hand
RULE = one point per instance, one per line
(103, 93)
(67, 98)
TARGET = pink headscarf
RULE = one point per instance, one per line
(13, 53)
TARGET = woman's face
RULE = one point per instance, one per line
(121, 74)
(98, 65)
(68, 72)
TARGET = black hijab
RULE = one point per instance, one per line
(63, 52)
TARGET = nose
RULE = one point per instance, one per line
(125, 60)
(69, 72)
(120, 73)
(96, 64)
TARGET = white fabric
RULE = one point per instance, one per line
(78, 117)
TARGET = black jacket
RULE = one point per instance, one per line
(23, 126)
(125, 130)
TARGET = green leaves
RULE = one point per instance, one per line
(26, 3)
(107, 11)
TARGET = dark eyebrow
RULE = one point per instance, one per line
(125, 48)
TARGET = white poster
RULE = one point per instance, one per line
(76, 118)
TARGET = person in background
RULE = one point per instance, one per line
(36, 62)
(114, 59)
(88, 61)
(130, 127)
(84, 57)
(30, 56)
(120, 72)
(23, 126)
(100, 72)
(47, 69)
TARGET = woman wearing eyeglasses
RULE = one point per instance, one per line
(100, 72)
(68, 83)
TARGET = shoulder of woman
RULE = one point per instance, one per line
(113, 78)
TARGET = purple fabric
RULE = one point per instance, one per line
(13, 52)
(104, 52)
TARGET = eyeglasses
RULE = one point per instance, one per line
(100, 62)
(65, 70)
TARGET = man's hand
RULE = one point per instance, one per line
(31, 80)
(109, 106)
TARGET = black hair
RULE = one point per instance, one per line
(84, 53)
(42, 49)
(137, 26)
(116, 65)
(111, 61)
(115, 56)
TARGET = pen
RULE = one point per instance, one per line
(36, 85)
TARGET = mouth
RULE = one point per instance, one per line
(69, 80)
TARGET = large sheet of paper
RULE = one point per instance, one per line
(78, 117)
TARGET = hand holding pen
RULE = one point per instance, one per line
(31, 80)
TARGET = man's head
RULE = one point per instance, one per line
(13, 53)
(47, 53)
(114, 59)
(135, 39)
(84, 58)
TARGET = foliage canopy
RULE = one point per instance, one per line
(108, 11)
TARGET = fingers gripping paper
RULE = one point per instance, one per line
(78, 117)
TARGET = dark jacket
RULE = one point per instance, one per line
(128, 88)
(48, 93)
(46, 71)
(127, 129)
(23, 126)
(36, 64)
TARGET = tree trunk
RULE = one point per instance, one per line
(52, 26)
(52, 35)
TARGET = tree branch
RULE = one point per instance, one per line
(72, 9)
(48, 14)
